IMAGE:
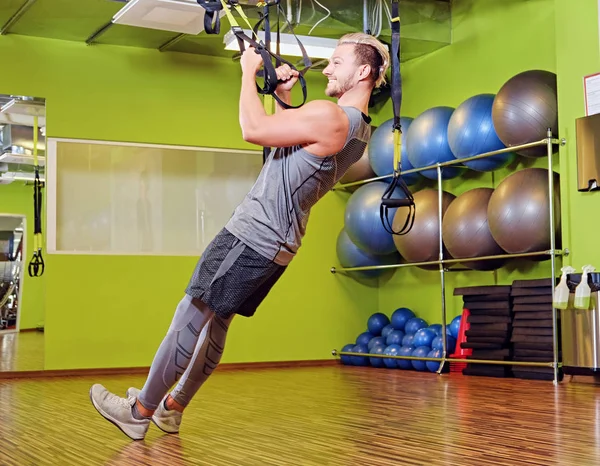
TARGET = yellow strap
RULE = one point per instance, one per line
(233, 21)
(35, 140)
(397, 150)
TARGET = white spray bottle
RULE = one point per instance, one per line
(583, 292)
(561, 292)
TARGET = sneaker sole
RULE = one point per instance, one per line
(126, 431)
(158, 424)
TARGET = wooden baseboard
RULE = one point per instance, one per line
(144, 370)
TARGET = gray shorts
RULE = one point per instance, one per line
(232, 278)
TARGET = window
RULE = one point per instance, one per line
(123, 198)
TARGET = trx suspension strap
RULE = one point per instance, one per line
(396, 89)
(36, 265)
(212, 25)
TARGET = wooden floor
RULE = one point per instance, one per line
(22, 351)
(314, 416)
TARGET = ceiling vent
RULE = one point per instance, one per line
(182, 16)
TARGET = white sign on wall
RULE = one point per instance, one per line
(591, 88)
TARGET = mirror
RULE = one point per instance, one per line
(21, 296)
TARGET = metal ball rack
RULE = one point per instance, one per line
(549, 142)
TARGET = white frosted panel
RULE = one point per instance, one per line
(125, 199)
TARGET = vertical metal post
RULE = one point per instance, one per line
(552, 251)
(365, 17)
(442, 271)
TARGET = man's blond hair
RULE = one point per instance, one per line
(370, 51)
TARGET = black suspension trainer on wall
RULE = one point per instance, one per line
(212, 25)
(387, 202)
(36, 265)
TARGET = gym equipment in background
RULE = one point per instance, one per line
(350, 255)
(524, 108)
(471, 132)
(427, 142)
(420, 340)
(421, 244)
(362, 219)
(466, 231)
(381, 152)
(517, 200)
(519, 211)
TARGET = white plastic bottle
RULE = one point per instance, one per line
(561, 292)
(583, 292)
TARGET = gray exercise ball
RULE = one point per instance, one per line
(524, 108)
(519, 213)
(466, 231)
(422, 243)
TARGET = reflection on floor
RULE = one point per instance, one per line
(22, 351)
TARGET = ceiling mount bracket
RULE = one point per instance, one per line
(98, 33)
(17, 16)
(171, 42)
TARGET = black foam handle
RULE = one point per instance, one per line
(393, 203)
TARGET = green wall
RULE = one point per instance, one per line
(17, 198)
(492, 41)
(107, 311)
(577, 56)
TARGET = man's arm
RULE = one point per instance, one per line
(286, 97)
(318, 122)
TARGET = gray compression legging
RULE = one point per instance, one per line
(191, 350)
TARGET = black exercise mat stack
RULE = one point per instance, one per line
(490, 328)
(532, 327)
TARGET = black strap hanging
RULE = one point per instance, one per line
(269, 75)
(36, 265)
(396, 91)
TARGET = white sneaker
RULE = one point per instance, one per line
(118, 411)
(167, 420)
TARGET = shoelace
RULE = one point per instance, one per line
(122, 402)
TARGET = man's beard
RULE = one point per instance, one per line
(338, 88)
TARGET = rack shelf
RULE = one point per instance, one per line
(549, 142)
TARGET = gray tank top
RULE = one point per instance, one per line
(273, 216)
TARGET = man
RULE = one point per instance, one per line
(314, 146)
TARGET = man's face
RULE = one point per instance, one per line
(341, 71)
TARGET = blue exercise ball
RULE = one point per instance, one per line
(427, 143)
(437, 344)
(395, 337)
(345, 359)
(414, 324)
(362, 220)
(364, 338)
(437, 328)
(471, 132)
(381, 151)
(424, 337)
(400, 316)
(433, 366)
(408, 340)
(376, 341)
(420, 352)
(350, 255)
(377, 349)
(360, 360)
(405, 351)
(377, 322)
(455, 326)
(391, 350)
(387, 330)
